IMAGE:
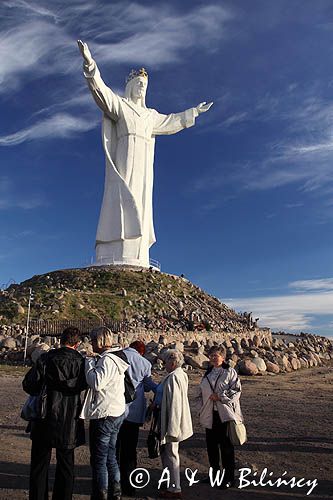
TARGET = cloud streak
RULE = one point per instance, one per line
(10, 199)
(287, 312)
(61, 125)
(39, 42)
(313, 285)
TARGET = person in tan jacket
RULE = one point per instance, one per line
(175, 419)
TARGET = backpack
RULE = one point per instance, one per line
(129, 386)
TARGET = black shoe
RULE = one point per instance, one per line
(101, 495)
(226, 485)
(114, 491)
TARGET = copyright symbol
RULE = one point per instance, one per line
(139, 478)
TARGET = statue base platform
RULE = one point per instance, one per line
(105, 261)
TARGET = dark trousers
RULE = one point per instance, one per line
(126, 453)
(218, 442)
(39, 469)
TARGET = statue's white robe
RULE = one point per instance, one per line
(129, 134)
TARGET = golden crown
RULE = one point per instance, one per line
(135, 73)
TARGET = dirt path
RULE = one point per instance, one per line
(289, 422)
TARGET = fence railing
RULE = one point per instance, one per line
(129, 262)
(56, 327)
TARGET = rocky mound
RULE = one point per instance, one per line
(141, 298)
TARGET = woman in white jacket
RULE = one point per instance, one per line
(220, 393)
(175, 419)
(105, 407)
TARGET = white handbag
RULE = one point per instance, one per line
(236, 433)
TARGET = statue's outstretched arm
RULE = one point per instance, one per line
(203, 107)
(175, 122)
(102, 94)
(86, 54)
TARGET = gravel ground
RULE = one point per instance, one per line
(289, 423)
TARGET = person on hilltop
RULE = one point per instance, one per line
(62, 370)
(140, 373)
(175, 422)
(104, 406)
(220, 391)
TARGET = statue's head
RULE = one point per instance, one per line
(136, 85)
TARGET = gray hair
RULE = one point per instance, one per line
(175, 355)
(103, 336)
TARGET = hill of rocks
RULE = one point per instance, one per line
(142, 298)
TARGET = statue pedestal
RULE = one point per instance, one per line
(125, 253)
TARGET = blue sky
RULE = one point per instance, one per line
(243, 202)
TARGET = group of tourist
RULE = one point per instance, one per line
(114, 423)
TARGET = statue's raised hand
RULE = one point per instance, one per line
(86, 54)
(203, 107)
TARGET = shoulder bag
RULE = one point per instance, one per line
(153, 440)
(236, 432)
(35, 407)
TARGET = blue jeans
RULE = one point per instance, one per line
(103, 434)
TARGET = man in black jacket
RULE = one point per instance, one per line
(63, 372)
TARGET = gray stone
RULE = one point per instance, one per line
(260, 364)
(272, 367)
(197, 360)
(8, 343)
(38, 351)
(246, 367)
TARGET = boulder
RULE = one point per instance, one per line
(38, 351)
(197, 360)
(256, 341)
(246, 367)
(272, 367)
(260, 364)
(244, 343)
(20, 309)
(8, 343)
(201, 349)
(15, 356)
(151, 356)
(294, 363)
(179, 345)
(286, 364)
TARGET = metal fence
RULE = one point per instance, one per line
(56, 327)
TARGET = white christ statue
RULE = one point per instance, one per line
(125, 229)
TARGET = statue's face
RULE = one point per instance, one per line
(139, 87)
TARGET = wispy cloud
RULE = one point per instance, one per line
(33, 49)
(26, 233)
(293, 205)
(302, 156)
(38, 41)
(61, 125)
(287, 312)
(10, 198)
(234, 119)
(29, 7)
(312, 285)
